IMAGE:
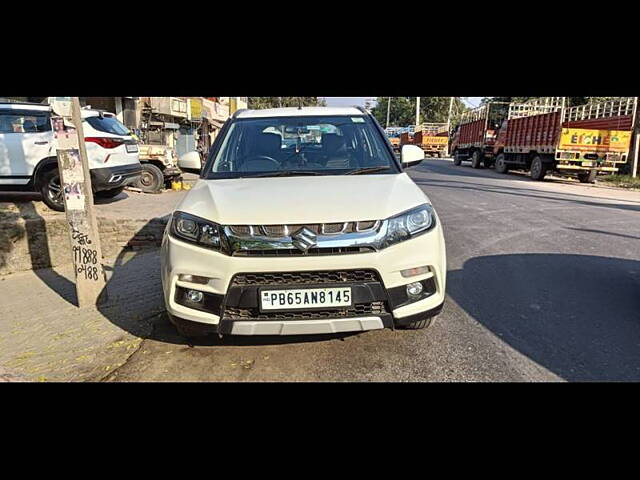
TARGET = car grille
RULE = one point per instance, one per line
(246, 281)
(284, 252)
(254, 314)
(280, 231)
(305, 278)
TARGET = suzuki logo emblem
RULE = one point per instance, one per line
(304, 239)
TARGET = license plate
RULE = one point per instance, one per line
(132, 148)
(300, 299)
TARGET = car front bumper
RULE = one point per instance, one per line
(380, 299)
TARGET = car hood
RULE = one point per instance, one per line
(297, 200)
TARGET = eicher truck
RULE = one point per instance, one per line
(545, 135)
(433, 138)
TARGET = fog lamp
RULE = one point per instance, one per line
(195, 296)
(414, 289)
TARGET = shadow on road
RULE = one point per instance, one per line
(576, 315)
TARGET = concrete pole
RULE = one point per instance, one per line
(417, 111)
(449, 125)
(634, 168)
(388, 111)
(75, 183)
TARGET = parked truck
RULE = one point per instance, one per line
(582, 140)
(433, 138)
(476, 134)
(545, 135)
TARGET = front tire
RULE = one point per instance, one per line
(501, 165)
(457, 158)
(419, 324)
(51, 190)
(151, 180)
(476, 159)
(538, 168)
(188, 329)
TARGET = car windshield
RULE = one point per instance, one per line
(284, 146)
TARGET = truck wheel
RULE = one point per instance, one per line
(588, 177)
(51, 190)
(114, 192)
(419, 324)
(151, 180)
(501, 165)
(538, 168)
(457, 158)
(476, 159)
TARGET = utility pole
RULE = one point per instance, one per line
(75, 184)
(417, 111)
(388, 111)
(449, 125)
(636, 138)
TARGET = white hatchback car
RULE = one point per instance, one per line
(303, 222)
(28, 160)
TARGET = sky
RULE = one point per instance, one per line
(348, 101)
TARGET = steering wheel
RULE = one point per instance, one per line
(261, 158)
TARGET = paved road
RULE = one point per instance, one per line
(544, 284)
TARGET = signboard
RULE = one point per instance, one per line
(196, 108)
(436, 140)
(580, 139)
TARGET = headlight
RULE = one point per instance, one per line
(195, 230)
(409, 224)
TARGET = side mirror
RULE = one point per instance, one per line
(190, 161)
(411, 155)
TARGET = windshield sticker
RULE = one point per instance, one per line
(357, 119)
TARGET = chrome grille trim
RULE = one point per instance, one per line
(344, 242)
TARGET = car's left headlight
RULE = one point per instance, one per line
(196, 230)
(409, 224)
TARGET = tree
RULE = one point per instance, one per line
(277, 102)
(403, 110)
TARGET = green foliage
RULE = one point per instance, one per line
(403, 110)
(278, 102)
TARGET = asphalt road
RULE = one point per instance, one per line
(543, 285)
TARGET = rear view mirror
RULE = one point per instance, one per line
(411, 155)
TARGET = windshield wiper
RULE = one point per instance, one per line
(285, 173)
(361, 171)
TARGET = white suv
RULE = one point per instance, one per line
(28, 159)
(303, 221)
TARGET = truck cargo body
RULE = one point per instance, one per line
(582, 140)
(433, 138)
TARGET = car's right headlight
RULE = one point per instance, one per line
(196, 230)
(409, 224)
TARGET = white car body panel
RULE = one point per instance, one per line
(331, 198)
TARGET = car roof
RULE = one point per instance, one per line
(43, 107)
(40, 107)
(300, 112)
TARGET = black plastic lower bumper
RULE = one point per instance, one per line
(114, 177)
(365, 295)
